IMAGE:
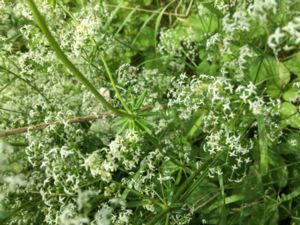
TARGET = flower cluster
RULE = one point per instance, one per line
(197, 111)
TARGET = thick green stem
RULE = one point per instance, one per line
(60, 54)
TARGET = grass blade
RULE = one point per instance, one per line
(262, 143)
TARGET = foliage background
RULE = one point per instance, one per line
(214, 88)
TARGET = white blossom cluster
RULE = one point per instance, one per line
(278, 40)
(224, 104)
(201, 100)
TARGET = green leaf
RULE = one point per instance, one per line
(268, 69)
(293, 64)
(228, 200)
(196, 126)
(294, 121)
(280, 175)
(204, 67)
(273, 90)
(140, 100)
(4, 214)
(128, 17)
(290, 146)
(276, 71)
(147, 2)
(290, 196)
(53, 2)
(144, 126)
(168, 168)
(291, 94)
(120, 124)
(142, 41)
(144, 33)
(263, 145)
(288, 109)
(203, 193)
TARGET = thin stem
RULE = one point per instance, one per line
(115, 86)
(159, 216)
(60, 54)
(157, 11)
(42, 126)
(28, 82)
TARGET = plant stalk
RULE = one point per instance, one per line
(61, 55)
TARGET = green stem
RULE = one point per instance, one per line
(60, 54)
(190, 184)
(195, 126)
(159, 216)
(115, 86)
(28, 82)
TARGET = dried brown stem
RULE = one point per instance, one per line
(42, 126)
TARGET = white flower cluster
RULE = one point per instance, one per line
(291, 32)
(223, 105)
(259, 8)
(185, 94)
(138, 81)
(123, 150)
(177, 43)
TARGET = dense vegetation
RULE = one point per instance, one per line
(150, 112)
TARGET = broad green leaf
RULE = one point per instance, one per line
(293, 64)
(273, 90)
(294, 121)
(288, 109)
(144, 33)
(270, 70)
(276, 71)
(291, 94)
(207, 68)
(256, 73)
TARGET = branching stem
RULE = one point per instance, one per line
(61, 55)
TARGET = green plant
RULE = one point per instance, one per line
(149, 112)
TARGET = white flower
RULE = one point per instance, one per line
(14, 181)
(67, 217)
(275, 38)
(65, 152)
(103, 216)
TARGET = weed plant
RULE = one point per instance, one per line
(150, 112)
